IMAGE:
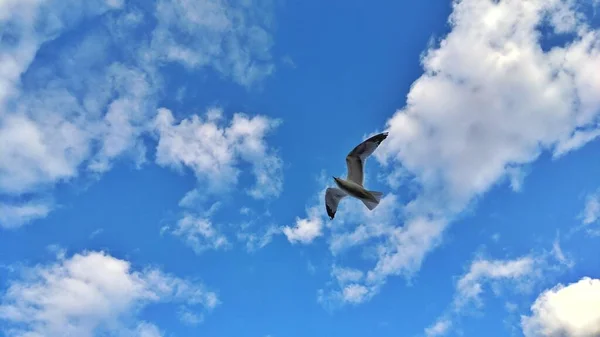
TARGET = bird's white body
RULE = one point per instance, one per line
(353, 184)
(354, 189)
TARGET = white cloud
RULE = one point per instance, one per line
(491, 99)
(258, 240)
(355, 293)
(349, 288)
(87, 107)
(17, 215)
(560, 256)
(92, 292)
(470, 285)
(345, 275)
(440, 328)
(145, 329)
(228, 37)
(50, 129)
(190, 318)
(305, 230)
(516, 276)
(566, 311)
(591, 212)
(213, 152)
(199, 233)
(589, 215)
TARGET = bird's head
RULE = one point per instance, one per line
(338, 181)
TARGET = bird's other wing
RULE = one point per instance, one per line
(332, 199)
(355, 160)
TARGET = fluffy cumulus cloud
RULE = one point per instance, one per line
(572, 310)
(492, 97)
(94, 100)
(214, 151)
(92, 293)
(305, 230)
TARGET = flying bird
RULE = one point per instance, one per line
(353, 184)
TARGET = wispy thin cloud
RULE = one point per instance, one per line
(516, 276)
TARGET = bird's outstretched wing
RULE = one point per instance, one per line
(355, 160)
(332, 199)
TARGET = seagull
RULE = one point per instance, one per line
(353, 184)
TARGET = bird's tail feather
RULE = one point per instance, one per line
(370, 203)
(377, 195)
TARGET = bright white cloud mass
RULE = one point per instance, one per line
(572, 310)
(213, 152)
(491, 99)
(168, 126)
(92, 292)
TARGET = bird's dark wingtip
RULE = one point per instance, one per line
(330, 212)
(379, 137)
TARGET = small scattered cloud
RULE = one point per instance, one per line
(288, 61)
(190, 318)
(199, 233)
(17, 215)
(145, 329)
(305, 230)
(589, 215)
(440, 328)
(348, 289)
(96, 233)
(572, 310)
(591, 212)
(256, 240)
(560, 256)
(91, 292)
(511, 307)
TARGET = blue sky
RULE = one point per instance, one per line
(163, 167)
